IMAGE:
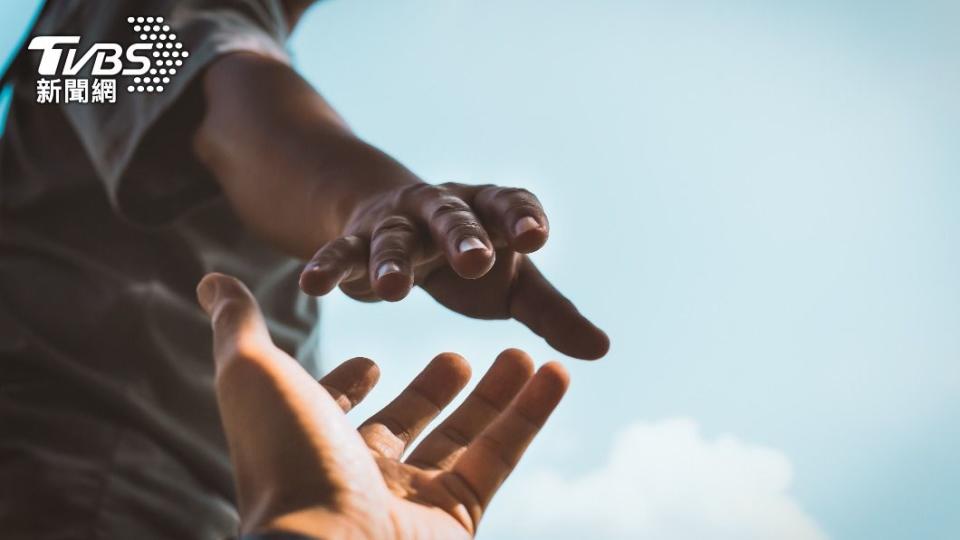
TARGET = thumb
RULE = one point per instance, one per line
(235, 317)
(285, 433)
(540, 306)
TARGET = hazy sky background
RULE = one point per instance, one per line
(757, 200)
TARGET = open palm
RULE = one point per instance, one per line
(300, 467)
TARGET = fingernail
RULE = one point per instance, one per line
(207, 293)
(470, 243)
(388, 267)
(525, 224)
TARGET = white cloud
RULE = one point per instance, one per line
(665, 481)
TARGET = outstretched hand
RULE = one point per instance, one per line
(300, 467)
(466, 246)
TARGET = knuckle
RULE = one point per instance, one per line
(496, 449)
(418, 192)
(522, 209)
(516, 193)
(394, 225)
(398, 428)
(462, 229)
(467, 192)
(326, 255)
(393, 240)
(247, 364)
(485, 197)
(341, 248)
(453, 218)
(451, 186)
(388, 252)
(449, 207)
(454, 435)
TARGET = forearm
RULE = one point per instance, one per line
(297, 177)
(290, 167)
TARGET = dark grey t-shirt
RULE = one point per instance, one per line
(107, 223)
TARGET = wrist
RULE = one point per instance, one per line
(374, 179)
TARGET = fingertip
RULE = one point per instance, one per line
(442, 379)
(366, 378)
(555, 374)
(318, 281)
(351, 381)
(362, 361)
(528, 235)
(549, 384)
(507, 376)
(473, 259)
(393, 286)
(240, 335)
(517, 360)
(582, 340)
(215, 288)
(366, 366)
(544, 391)
(602, 346)
(594, 345)
(207, 291)
(450, 365)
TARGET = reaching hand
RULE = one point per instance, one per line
(466, 246)
(301, 468)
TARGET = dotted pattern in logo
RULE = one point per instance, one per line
(167, 55)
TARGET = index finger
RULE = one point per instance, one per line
(351, 381)
(493, 454)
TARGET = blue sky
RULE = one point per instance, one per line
(757, 200)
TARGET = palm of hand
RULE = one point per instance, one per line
(425, 504)
(301, 467)
(420, 504)
(442, 488)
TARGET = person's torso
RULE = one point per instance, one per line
(89, 298)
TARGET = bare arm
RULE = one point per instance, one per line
(298, 177)
(288, 163)
(300, 466)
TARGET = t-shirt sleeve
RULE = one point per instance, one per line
(141, 145)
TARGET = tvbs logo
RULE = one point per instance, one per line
(148, 64)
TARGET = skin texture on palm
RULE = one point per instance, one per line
(300, 466)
